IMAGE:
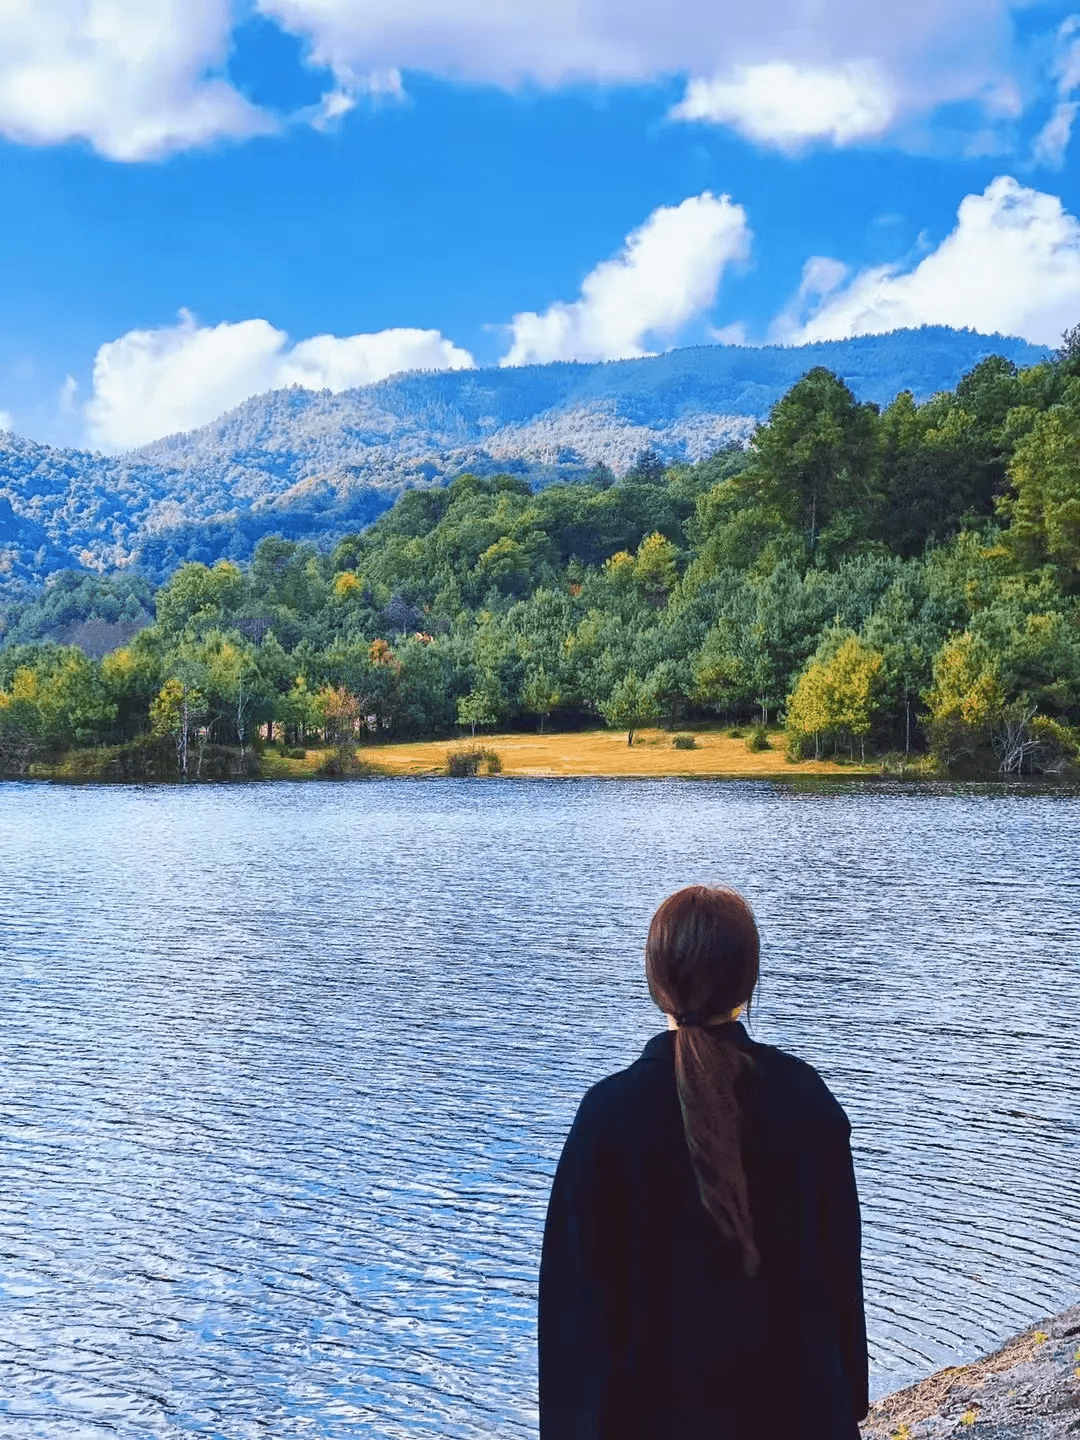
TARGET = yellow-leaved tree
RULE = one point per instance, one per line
(656, 570)
(835, 697)
(966, 698)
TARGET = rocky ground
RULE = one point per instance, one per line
(1027, 1390)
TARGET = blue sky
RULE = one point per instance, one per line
(203, 200)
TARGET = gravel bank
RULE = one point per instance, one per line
(1027, 1390)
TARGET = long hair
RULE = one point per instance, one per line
(701, 959)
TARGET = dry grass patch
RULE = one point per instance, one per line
(606, 753)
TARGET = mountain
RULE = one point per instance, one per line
(311, 464)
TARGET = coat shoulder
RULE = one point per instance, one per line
(609, 1095)
(794, 1084)
(623, 1100)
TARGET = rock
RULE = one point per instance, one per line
(1027, 1390)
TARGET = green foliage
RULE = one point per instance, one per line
(478, 707)
(343, 763)
(656, 570)
(539, 694)
(815, 462)
(630, 705)
(198, 598)
(684, 741)
(20, 734)
(851, 572)
(758, 739)
(72, 601)
(1043, 507)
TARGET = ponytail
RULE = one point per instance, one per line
(701, 960)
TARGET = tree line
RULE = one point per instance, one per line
(886, 580)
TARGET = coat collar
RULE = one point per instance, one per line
(662, 1046)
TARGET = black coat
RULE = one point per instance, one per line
(647, 1328)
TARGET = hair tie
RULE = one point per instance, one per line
(689, 1017)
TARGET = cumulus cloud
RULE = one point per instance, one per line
(780, 71)
(821, 276)
(780, 104)
(132, 77)
(140, 78)
(552, 41)
(1012, 264)
(151, 383)
(668, 273)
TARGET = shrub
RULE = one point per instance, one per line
(463, 762)
(471, 759)
(142, 759)
(296, 753)
(798, 747)
(343, 763)
(684, 741)
(758, 739)
(221, 762)
(735, 733)
(148, 758)
(20, 741)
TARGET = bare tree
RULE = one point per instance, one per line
(1014, 741)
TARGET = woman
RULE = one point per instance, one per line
(700, 1276)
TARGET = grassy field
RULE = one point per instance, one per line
(605, 752)
(577, 753)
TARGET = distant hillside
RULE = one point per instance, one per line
(313, 464)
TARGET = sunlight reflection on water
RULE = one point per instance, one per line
(287, 1070)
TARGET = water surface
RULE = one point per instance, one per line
(287, 1069)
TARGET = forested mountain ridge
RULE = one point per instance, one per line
(896, 579)
(313, 465)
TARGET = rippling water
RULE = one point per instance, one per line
(286, 1071)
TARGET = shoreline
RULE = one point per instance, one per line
(587, 754)
(522, 755)
(1027, 1389)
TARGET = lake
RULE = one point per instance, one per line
(287, 1069)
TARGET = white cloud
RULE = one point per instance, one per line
(668, 273)
(1066, 66)
(777, 103)
(1053, 139)
(132, 77)
(553, 41)
(140, 78)
(783, 71)
(151, 383)
(733, 334)
(821, 275)
(6, 422)
(67, 399)
(1012, 264)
